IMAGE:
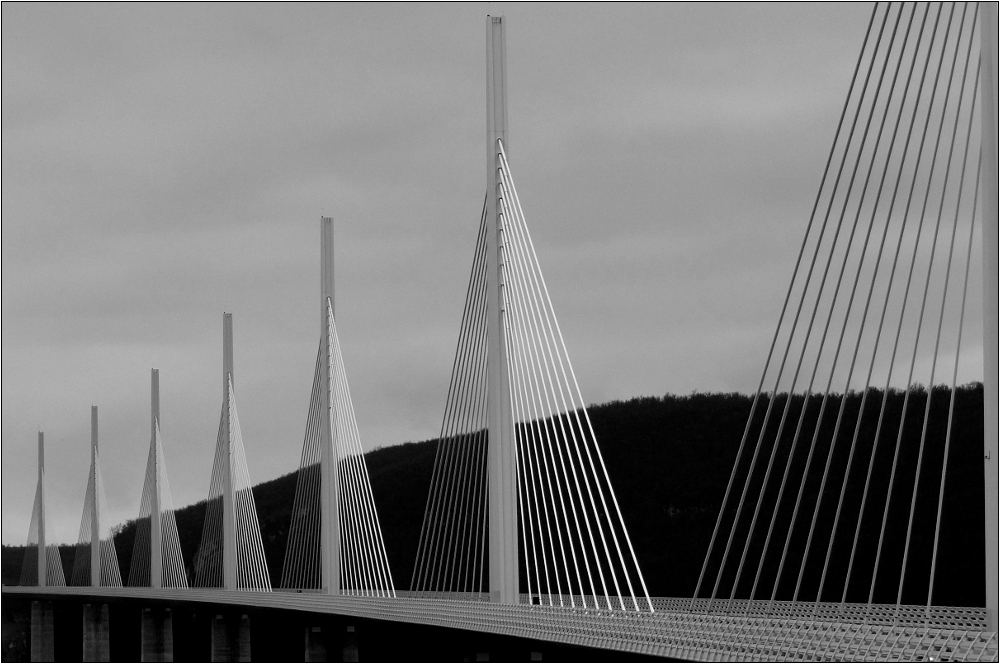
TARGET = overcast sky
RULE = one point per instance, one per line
(164, 163)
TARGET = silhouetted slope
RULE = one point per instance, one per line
(670, 459)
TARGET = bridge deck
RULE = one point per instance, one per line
(666, 633)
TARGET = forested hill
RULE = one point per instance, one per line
(669, 460)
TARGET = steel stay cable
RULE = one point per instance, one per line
(140, 557)
(550, 318)
(361, 543)
(313, 527)
(864, 317)
(350, 488)
(419, 567)
(297, 568)
(348, 562)
(954, 381)
(171, 551)
(517, 279)
(517, 311)
(211, 514)
(482, 491)
(369, 532)
(533, 425)
(295, 549)
(544, 288)
(552, 413)
(470, 384)
(448, 441)
(239, 487)
(209, 569)
(312, 478)
(556, 414)
(781, 317)
(851, 369)
(253, 546)
(927, 282)
(906, 292)
(863, 253)
(373, 527)
(254, 543)
(312, 531)
(460, 425)
(805, 343)
(476, 427)
(532, 267)
(525, 509)
(515, 401)
(537, 381)
(360, 574)
(464, 480)
(822, 343)
(885, 304)
(473, 366)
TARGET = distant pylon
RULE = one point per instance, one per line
(41, 565)
(157, 561)
(96, 561)
(335, 540)
(231, 554)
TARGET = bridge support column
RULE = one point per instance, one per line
(501, 450)
(229, 574)
(156, 632)
(315, 643)
(43, 643)
(329, 480)
(96, 633)
(42, 543)
(351, 644)
(231, 638)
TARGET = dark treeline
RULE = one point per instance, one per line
(670, 459)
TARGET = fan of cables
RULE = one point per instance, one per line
(156, 497)
(364, 566)
(575, 550)
(839, 485)
(93, 527)
(230, 475)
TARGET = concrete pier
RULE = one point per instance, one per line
(157, 635)
(231, 638)
(315, 643)
(351, 644)
(96, 633)
(43, 644)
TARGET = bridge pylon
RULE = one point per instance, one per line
(520, 498)
(502, 455)
(42, 565)
(157, 561)
(231, 553)
(334, 540)
(329, 486)
(96, 561)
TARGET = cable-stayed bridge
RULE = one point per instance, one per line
(816, 552)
